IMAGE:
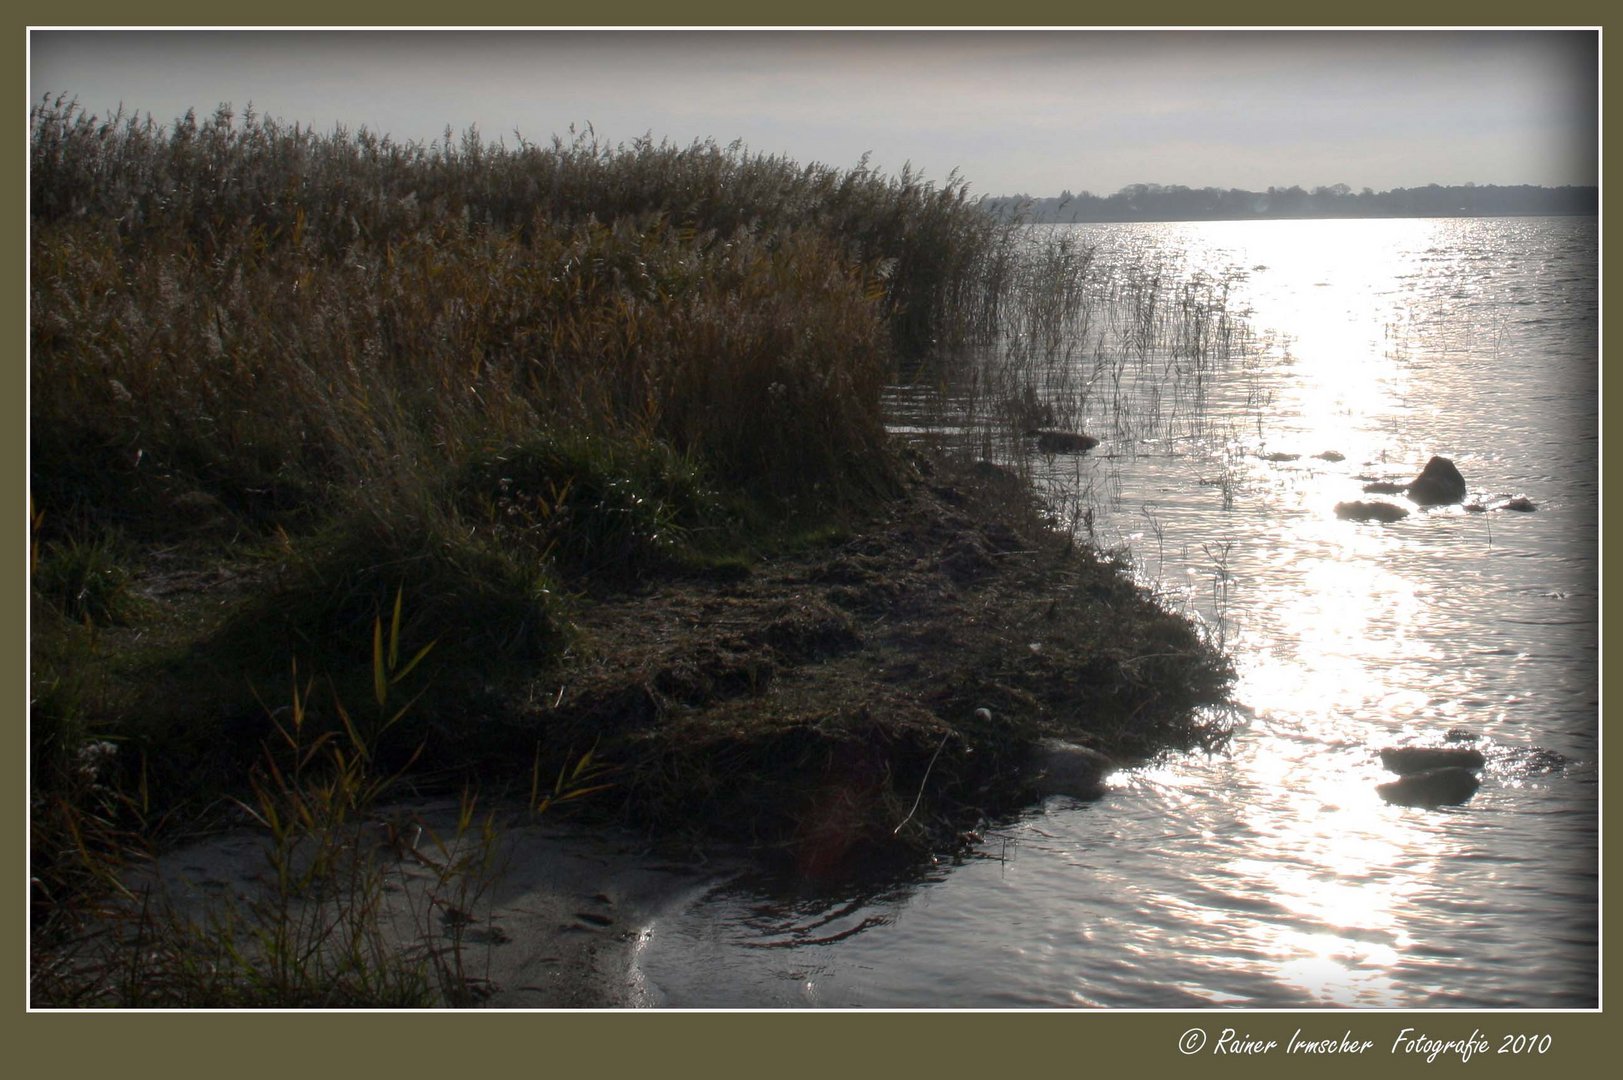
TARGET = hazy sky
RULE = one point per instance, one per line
(1015, 112)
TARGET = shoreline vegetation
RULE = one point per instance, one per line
(553, 476)
(1176, 202)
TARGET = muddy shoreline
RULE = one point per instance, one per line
(863, 703)
(842, 707)
(875, 696)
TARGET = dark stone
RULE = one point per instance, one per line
(1370, 511)
(1412, 759)
(1331, 455)
(1438, 484)
(1447, 786)
(1065, 442)
(1385, 487)
(1062, 768)
(1521, 504)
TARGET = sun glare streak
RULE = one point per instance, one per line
(1356, 622)
(1341, 971)
(1347, 371)
(1328, 859)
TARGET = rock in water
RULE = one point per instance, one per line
(1370, 511)
(1438, 484)
(1062, 768)
(1404, 760)
(1447, 786)
(1065, 442)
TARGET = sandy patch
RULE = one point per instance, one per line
(554, 923)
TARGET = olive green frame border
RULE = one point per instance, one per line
(776, 1044)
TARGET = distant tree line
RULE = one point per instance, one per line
(1174, 202)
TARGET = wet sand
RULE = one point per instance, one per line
(553, 923)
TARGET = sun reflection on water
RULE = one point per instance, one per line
(1322, 846)
(1339, 875)
(1336, 970)
(1272, 873)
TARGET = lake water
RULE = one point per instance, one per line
(1273, 874)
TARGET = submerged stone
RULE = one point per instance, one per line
(1519, 503)
(1447, 786)
(1537, 762)
(1359, 510)
(1062, 768)
(1065, 442)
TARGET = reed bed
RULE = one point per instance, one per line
(267, 316)
(335, 346)
(1114, 344)
(1122, 347)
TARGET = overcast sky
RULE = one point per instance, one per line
(1014, 112)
